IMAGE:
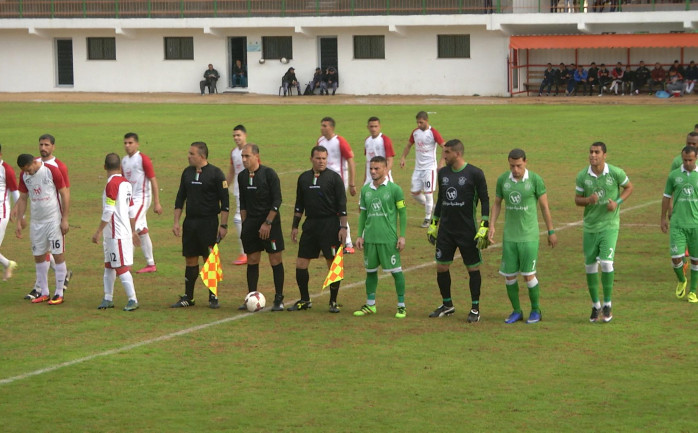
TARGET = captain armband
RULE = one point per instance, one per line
(400, 204)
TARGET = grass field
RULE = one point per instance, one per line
(72, 368)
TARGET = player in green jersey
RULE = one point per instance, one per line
(381, 203)
(598, 190)
(691, 140)
(521, 190)
(681, 187)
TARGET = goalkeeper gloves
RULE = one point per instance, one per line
(432, 231)
(481, 236)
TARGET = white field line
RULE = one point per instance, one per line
(192, 329)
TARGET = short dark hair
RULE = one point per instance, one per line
(49, 137)
(202, 147)
(240, 128)
(112, 161)
(131, 135)
(422, 115)
(456, 145)
(24, 159)
(380, 159)
(328, 120)
(321, 149)
(600, 144)
(373, 119)
(690, 149)
(253, 147)
(517, 154)
(693, 133)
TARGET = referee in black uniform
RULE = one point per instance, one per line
(461, 186)
(260, 198)
(204, 188)
(320, 194)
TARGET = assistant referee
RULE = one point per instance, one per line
(321, 195)
(204, 189)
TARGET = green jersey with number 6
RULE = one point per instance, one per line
(606, 186)
(381, 205)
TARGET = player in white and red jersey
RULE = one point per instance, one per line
(240, 139)
(138, 170)
(117, 226)
(377, 144)
(8, 187)
(43, 184)
(340, 159)
(425, 139)
(47, 144)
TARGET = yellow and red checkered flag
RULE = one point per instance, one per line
(212, 272)
(336, 272)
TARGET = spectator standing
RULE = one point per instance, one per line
(592, 77)
(117, 225)
(321, 196)
(204, 190)
(138, 170)
(260, 199)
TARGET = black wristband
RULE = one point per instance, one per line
(225, 226)
(296, 221)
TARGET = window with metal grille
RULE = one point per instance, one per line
(101, 48)
(454, 46)
(369, 47)
(179, 48)
(276, 47)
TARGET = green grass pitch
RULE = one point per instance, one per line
(72, 368)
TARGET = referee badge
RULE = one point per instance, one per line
(225, 184)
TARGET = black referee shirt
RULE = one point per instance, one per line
(321, 197)
(260, 191)
(459, 193)
(206, 192)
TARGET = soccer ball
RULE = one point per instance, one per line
(255, 301)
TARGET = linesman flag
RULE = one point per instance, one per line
(336, 272)
(212, 272)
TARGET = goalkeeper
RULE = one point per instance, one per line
(461, 186)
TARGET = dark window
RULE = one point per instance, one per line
(369, 47)
(454, 46)
(276, 47)
(179, 48)
(101, 48)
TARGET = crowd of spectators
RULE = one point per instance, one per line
(576, 80)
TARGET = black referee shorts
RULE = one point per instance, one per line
(447, 243)
(319, 234)
(251, 242)
(198, 235)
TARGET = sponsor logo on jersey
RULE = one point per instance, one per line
(451, 194)
(515, 197)
(462, 180)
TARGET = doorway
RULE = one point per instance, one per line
(64, 62)
(328, 52)
(238, 51)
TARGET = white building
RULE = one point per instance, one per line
(129, 46)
